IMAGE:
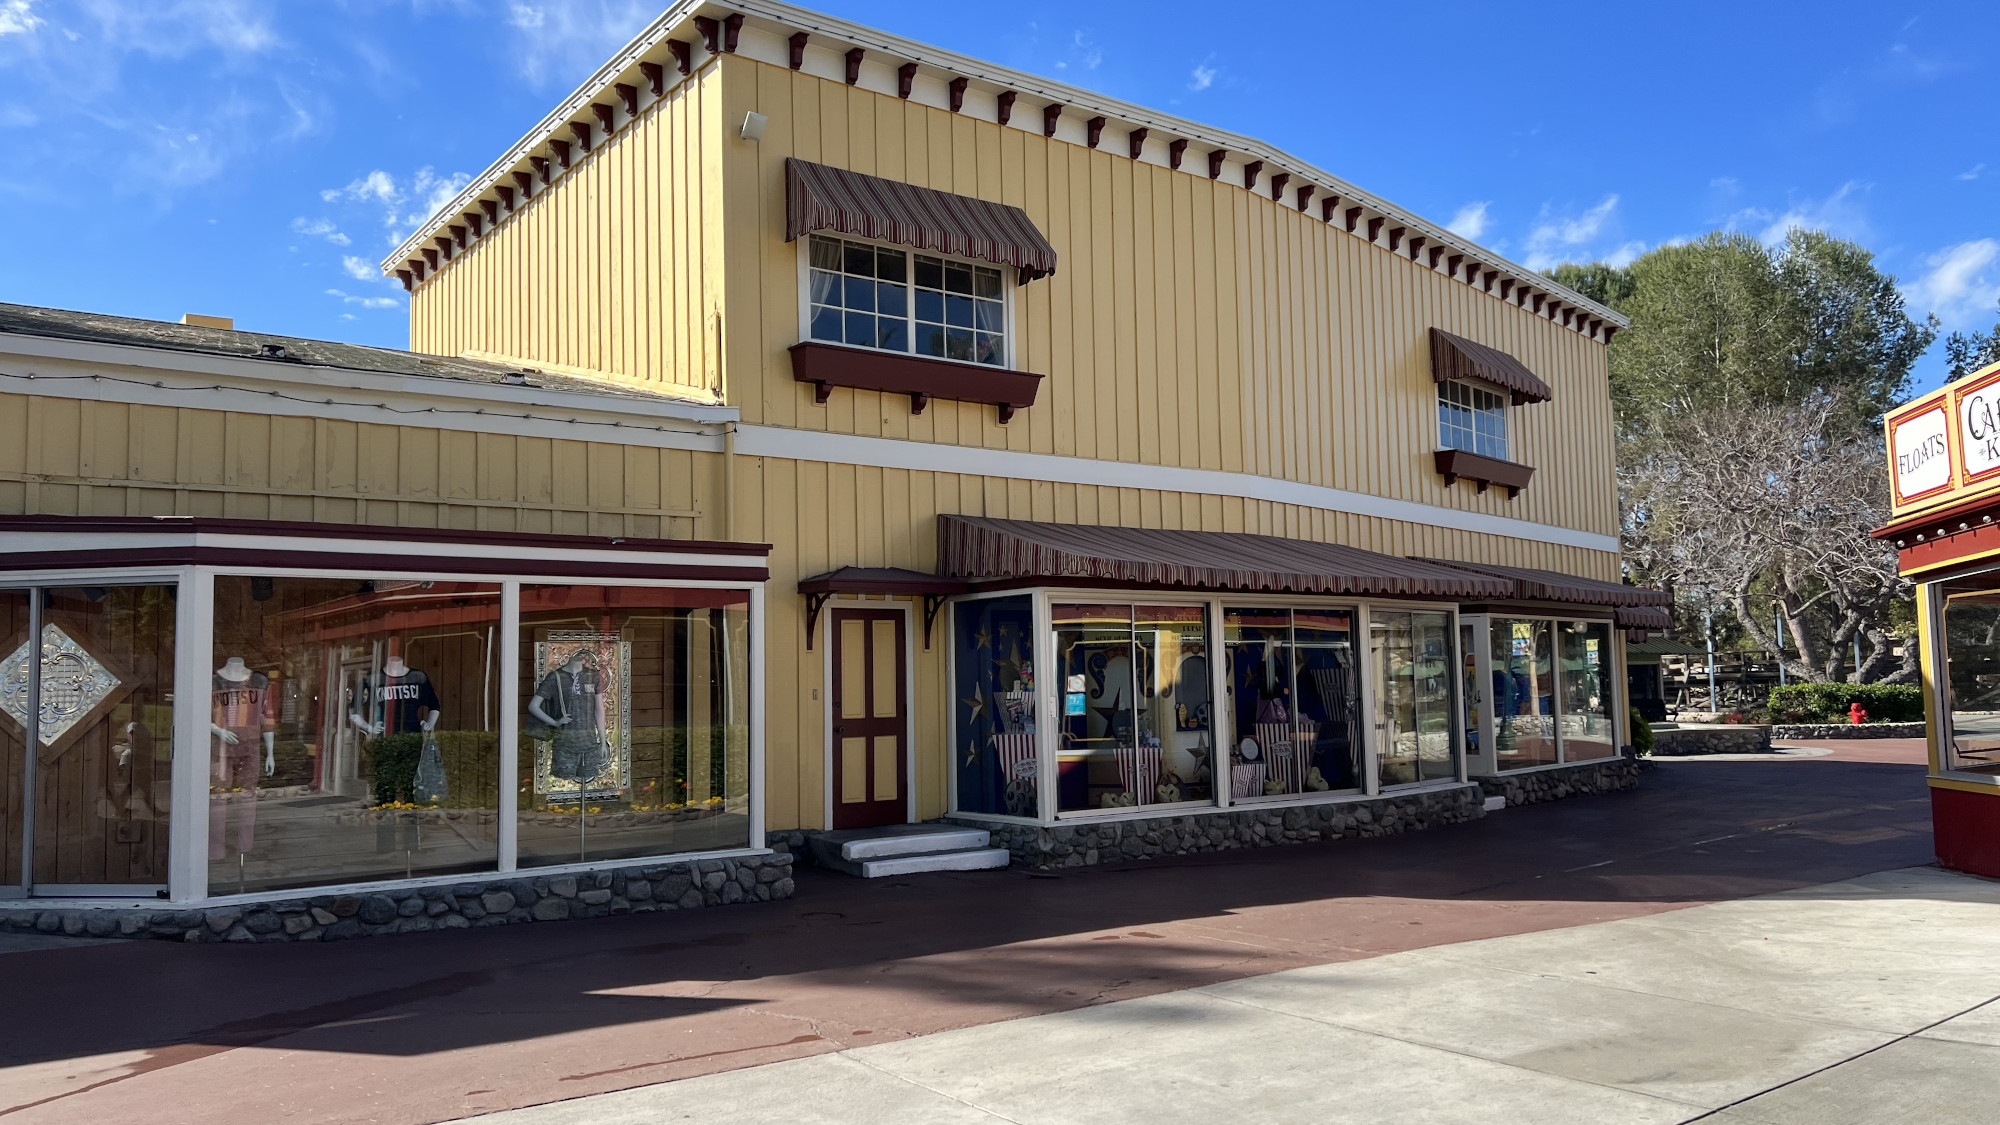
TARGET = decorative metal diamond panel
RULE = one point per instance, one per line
(73, 684)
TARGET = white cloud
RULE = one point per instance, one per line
(1840, 214)
(378, 185)
(17, 17)
(172, 28)
(1972, 173)
(319, 228)
(1963, 283)
(1624, 253)
(1092, 55)
(360, 269)
(1555, 239)
(1203, 75)
(1470, 221)
(366, 302)
(560, 43)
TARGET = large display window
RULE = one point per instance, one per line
(1293, 701)
(1415, 675)
(1554, 694)
(993, 685)
(353, 731)
(635, 722)
(196, 734)
(1133, 724)
(86, 732)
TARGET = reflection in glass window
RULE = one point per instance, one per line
(354, 731)
(1293, 701)
(635, 722)
(1097, 717)
(1472, 418)
(1173, 759)
(1523, 694)
(993, 664)
(1413, 703)
(1587, 732)
(1972, 676)
(884, 297)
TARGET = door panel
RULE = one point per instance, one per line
(870, 765)
(13, 746)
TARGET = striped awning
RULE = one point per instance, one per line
(1555, 586)
(821, 198)
(978, 547)
(1455, 357)
(1650, 618)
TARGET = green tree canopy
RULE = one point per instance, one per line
(1724, 321)
(1967, 352)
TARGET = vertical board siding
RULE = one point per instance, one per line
(612, 269)
(1191, 323)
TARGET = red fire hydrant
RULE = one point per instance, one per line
(1855, 715)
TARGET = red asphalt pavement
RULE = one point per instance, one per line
(429, 1027)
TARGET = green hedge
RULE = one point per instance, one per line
(1642, 733)
(1828, 703)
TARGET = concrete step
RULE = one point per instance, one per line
(915, 843)
(971, 859)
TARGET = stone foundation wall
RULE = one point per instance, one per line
(1847, 730)
(491, 901)
(1682, 742)
(1580, 780)
(1113, 841)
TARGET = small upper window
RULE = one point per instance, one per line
(1472, 418)
(905, 301)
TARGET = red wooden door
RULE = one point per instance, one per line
(870, 766)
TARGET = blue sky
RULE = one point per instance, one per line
(256, 158)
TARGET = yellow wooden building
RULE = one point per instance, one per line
(925, 438)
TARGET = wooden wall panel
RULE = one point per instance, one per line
(1192, 322)
(613, 269)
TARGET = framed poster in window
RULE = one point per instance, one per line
(580, 715)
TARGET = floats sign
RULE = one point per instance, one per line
(1921, 454)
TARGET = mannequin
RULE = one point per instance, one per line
(570, 703)
(242, 706)
(402, 701)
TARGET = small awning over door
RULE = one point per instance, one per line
(933, 588)
(818, 197)
(1455, 357)
(977, 547)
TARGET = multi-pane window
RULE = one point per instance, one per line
(1472, 418)
(904, 301)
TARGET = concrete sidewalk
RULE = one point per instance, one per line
(1864, 1001)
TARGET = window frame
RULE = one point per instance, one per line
(1505, 413)
(1010, 333)
(1484, 625)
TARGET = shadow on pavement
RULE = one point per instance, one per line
(949, 950)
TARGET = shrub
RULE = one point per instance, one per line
(1828, 703)
(1642, 733)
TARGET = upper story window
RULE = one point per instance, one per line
(1473, 418)
(873, 296)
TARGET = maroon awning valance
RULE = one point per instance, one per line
(1534, 585)
(977, 547)
(1455, 357)
(818, 197)
(1650, 618)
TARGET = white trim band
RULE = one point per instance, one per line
(894, 453)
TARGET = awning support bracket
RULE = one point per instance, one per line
(814, 602)
(933, 605)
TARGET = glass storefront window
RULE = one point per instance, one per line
(14, 626)
(1587, 731)
(1098, 749)
(354, 731)
(1174, 711)
(1293, 701)
(102, 740)
(635, 722)
(1413, 721)
(994, 671)
(1523, 694)
(1972, 677)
